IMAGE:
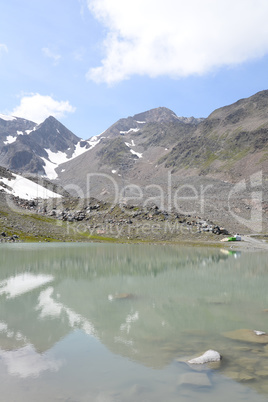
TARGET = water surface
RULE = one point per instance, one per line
(101, 322)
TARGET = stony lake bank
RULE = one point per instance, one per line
(74, 219)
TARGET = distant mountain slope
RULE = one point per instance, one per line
(129, 149)
(232, 142)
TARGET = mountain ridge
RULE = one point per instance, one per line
(148, 144)
(156, 157)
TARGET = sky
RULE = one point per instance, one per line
(91, 62)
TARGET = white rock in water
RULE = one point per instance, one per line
(259, 332)
(208, 356)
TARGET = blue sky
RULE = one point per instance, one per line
(91, 62)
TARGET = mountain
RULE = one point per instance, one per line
(187, 164)
(229, 145)
(155, 157)
(128, 151)
(28, 147)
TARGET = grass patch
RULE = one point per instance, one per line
(264, 157)
(39, 218)
(210, 158)
(234, 157)
(2, 213)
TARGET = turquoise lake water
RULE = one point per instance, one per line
(104, 323)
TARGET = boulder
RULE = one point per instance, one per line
(207, 357)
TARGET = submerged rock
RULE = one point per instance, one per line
(239, 375)
(247, 335)
(208, 356)
(262, 373)
(194, 380)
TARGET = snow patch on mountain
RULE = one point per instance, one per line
(25, 188)
(7, 118)
(130, 145)
(10, 139)
(30, 131)
(131, 130)
(94, 141)
(138, 154)
(79, 149)
(50, 168)
(55, 159)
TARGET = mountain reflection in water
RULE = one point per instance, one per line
(151, 307)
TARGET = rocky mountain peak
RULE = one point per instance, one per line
(164, 115)
(54, 135)
(157, 115)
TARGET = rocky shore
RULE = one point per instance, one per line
(75, 219)
(86, 219)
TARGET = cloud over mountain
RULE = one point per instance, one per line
(177, 38)
(38, 107)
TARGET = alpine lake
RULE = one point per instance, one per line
(119, 322)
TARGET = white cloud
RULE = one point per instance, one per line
(3, 48)
(51, 55)
(27, 362)
(23, 283)
(177, 38)
(38, 107)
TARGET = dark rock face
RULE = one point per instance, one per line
(54, 135)
(10, 127)
(23, 143)
(20, 159)
(114, 152)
